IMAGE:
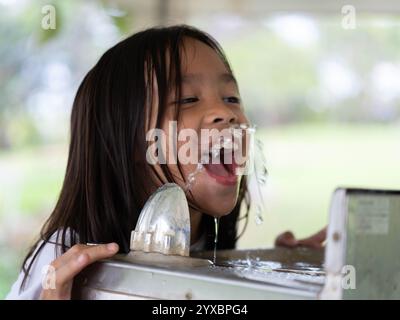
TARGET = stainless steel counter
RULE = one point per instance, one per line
(243, 274)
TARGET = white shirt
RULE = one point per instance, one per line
(33, 283)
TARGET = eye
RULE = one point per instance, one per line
(188, 100)
(232, 100)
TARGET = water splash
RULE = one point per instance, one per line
(259, 217)
(226, 141)
(261, 174)
(191, 178)
(216, 223)
(253, 263)
(248, 261)
(260, 166)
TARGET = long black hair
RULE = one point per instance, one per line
(107, 177)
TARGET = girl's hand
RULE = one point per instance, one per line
(68, 265)
(287, 239)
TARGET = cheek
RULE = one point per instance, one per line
(191, 118)
(242, 117)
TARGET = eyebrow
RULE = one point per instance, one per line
(195, 77)
(227, 78)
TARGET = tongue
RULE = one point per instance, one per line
(217, 169)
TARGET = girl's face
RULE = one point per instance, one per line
(210, 100)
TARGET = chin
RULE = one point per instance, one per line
(221, 214)
(213, 202)
(219, 210)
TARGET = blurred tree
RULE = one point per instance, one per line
(280, 81)
(26, 49)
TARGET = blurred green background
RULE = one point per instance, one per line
(326, 100)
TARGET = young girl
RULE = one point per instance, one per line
(145, 81)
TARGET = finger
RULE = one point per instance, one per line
(79, 259)
(101, 251)
(316, 240)
(77, 249)
(74, 251)
(320, 236)
(310, 243)
(286, 239)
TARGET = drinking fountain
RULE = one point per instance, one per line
(161, 266)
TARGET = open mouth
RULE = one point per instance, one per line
(222, 167)
(228, 157)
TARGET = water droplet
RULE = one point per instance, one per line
(262, 180)
(237, 133)
(259, 212)
(216, 222)
(191, 178)
(261, 175)
(227, 144)
(248, 261)
(215, 151)
(259, 219)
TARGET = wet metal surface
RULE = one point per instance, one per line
(256, 274)
(297, 268)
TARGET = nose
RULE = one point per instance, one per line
(220, 114)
